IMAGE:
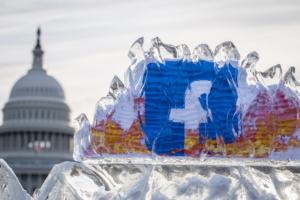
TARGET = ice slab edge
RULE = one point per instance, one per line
(83, 181)
(200, 104)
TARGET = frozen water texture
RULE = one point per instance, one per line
(162, 51)
(247, 82)
(10, 187)
(84, 181)
(83, 149)
(203, 52)
(226, 51)
(195, 104)
(135, 73)
(116, 87)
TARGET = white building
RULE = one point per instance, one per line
(36, 131)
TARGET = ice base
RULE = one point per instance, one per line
(72, 180)
(194, 161)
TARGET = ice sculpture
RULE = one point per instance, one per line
(197, 105)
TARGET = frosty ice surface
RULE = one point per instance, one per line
(10, 187)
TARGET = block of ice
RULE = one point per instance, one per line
(78, 181)
(199, 105)
(10, 187)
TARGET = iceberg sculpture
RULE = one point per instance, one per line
(200, 105)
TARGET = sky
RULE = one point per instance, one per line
(86, 42)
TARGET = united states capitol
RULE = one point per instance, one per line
(36, 132)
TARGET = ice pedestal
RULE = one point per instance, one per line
(80, 181)
(71, 180)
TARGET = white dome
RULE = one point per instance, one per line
(37, 101)
(37, 83)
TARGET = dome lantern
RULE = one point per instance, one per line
(38, 54)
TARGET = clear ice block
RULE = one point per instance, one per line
(82, 181)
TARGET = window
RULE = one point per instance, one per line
(48, 143)
(15, 140)
(42, 115)
(42, 141)
(1, 143)
(29, 143)
(36, 114)
(44, 176)
(24, 179)
(6, 141)
(30, 115)
(48, 115)
(24, 114)
(22, 135)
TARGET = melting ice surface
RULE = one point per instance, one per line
(203, 104)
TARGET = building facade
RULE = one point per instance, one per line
(36, 131)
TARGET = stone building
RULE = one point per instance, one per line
(36, 131)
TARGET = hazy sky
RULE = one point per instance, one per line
(86, 42)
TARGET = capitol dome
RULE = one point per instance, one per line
(37, 83)
(36, 131)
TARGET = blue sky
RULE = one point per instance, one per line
(86, 42)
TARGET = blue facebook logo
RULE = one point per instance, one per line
(181, 95)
